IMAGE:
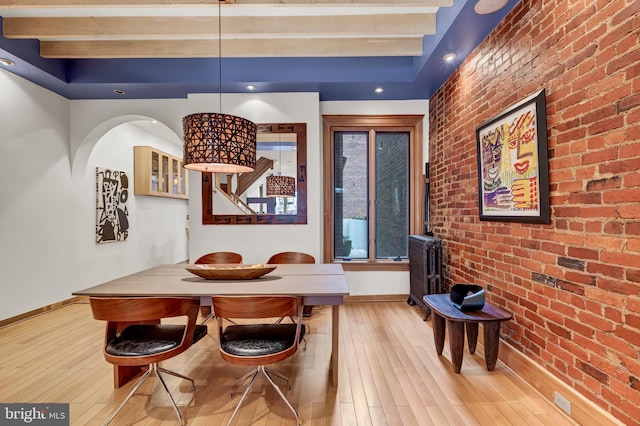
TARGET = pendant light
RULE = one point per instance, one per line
(217, 142)
(278, 185)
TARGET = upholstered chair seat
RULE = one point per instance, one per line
(258, 339)
(150, 339)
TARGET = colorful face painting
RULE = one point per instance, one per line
(524, 161)
(495, 194)
(509, 164)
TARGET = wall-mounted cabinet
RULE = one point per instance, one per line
(158, 173)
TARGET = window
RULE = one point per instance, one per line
(374, 196)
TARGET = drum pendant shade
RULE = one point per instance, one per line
(216, 142)
(219, 143)
(281, 186)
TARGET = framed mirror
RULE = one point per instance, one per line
(242, 199)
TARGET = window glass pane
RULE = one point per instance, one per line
(351, 226)
(392, 194)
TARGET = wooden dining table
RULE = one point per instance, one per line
(318, 284)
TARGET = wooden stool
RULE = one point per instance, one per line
(490, 316)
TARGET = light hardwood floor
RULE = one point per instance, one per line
(389, 375)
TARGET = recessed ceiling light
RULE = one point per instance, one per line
(251, 87)
(6, 61)
(119, 92)
(379, 90)
(449, 57)
(485, 7)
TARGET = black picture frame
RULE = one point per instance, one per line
(513, 169)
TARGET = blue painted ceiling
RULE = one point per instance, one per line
(458, 29)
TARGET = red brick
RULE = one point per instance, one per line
(584, 252)
(585, 198)
(624, 259)
(577, 226)
(622, 196)
(605, 242)
(634, 366)
(626, 392)
(596, 321)
(623, 61)
(633, 275)
(632, 321)
(579, 327)
(633, 245)
(593, 122)
(630, 335)
(582, 346)
(593, 226)
(632, 179)
(629, 102)
(606, 297)
(618, 286)
(613, 314)
(617, 138)
(629, 212)
(606, 125)
(613, 228)
(631, 409)
(605, 269)
(580, 278)
(632, 132)
(623, 16)
(622, 166)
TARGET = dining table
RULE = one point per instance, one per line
(317, 284)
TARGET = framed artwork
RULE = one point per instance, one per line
(112, 216)
(513, 170)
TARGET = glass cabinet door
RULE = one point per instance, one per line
(182, 172)
(158, 173)
(174, 177)
(155, 171)
(165, 173)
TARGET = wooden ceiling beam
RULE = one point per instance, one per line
(51, 4)
(117, 28)
(237, 48)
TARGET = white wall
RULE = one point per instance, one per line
(257, 243)
(49, 148)
(157, 224)
(47, 209)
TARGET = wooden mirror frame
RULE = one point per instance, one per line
(208, 218)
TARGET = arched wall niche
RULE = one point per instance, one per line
(81, 155)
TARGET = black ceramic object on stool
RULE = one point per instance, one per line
(467, 297)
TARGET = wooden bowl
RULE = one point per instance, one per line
(231, 271)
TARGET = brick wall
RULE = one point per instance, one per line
(574, 285)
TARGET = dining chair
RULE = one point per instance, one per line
(217, 257)
(213, 258)
(258, 344)
(294, 257)
(136, 336)
(291, 257)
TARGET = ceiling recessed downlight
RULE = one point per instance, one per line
(6, 61)
(379, 90)
(449, 57)
(485, 7)
(119, 92)
(250, 87)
